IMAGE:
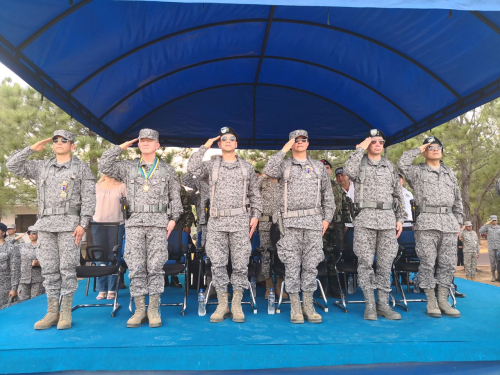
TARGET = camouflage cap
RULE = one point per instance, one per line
(467, 224)
(11, 226)
(339, 170)
(31, 229)
(297, 133)
(66, 134)
(493, 217)
(149, 133)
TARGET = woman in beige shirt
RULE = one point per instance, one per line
(107, 210)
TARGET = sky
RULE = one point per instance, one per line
(6, 72)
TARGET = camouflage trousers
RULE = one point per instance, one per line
(470, 265)
(265, 242)
(381, 244)
(5, 286)
(146, 251)
(437, 252)
(493, 259)
(301, 250)
(58, 257)
(219, 246)
(28, 291)
(203, 230)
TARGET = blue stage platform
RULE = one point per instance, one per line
(344, 342)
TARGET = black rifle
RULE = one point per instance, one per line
(350, 204)
(125, 208)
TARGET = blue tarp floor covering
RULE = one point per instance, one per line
(97, 342)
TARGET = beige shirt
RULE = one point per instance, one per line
(107, 209)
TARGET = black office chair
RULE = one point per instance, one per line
(102, 245)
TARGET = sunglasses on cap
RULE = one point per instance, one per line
(232, 138)
(303, 140)
(431, 148)
(63, 140)
(32, 232)
(381, 141)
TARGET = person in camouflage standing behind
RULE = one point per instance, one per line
(155, 205)
(471, 250)
(270, 192)
(201, 191)
(66, 204)
(30, 285)
(10, 270)
(234, 197)
(334, 235)
(439, 216)
(380, 205)
(307, 207)
(492, 230)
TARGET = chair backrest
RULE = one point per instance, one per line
(101, 242)
(175, 244)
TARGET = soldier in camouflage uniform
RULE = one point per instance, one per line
(234, 186)
(492, 229)
(11, 235)
(334, 235)
(307, 206)
(10, 270)
(439, 216)
(30, 285)
(201, 191)
(270, 192)
(471, 250)
(66, 204)
(379, 201)
(155, 205)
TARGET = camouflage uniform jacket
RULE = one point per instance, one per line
(441, 191)
(228, 190)
(187, 198)
(120, 170)
(341, 214)
(470, 241)
(28, 273)
(493, 232)
(302, 190)
(13, 240)
(270, 201)
(381, 185)
(202, 195)
(83, 196)
(10, 264)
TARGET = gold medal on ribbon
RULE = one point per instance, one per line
(146, 187)
(63, 194)
(64, 187)
(148, 175)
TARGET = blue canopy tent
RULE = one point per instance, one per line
(336, 68)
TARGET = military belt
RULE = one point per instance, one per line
(435, 210)
(375, 205)
(302, 213)
(153, 208)
(215, 212)
(266, 219)
(60, 211)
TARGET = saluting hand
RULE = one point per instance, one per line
(424, 148)
(399, 229)
(126, 145)
(365, 143)
(170, 227)
(211, 141)
(253, 225)
(40, 145)
(78, 234)
(287, 147)
(488, 222)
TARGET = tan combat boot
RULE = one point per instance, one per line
(383, 308)
(308, 308)
(295, 309)
(154, 311)
(432, 306)
(443, 304)
(269, 285)
(279, 281)
(65, 315)
(370, 308)
(236, 310)
(139, 316)
(52, 317)
(222, 311)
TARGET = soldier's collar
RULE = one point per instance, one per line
(66, 164)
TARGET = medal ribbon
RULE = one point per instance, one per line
(151, 171)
